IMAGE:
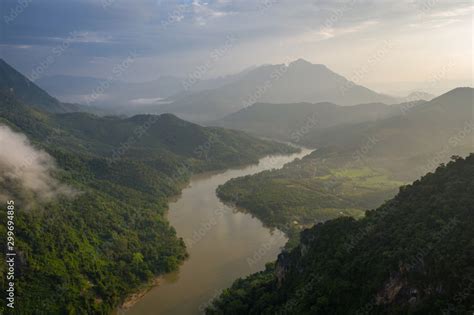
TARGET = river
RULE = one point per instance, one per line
(223, 244)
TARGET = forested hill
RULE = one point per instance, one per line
(410, 144)
(92, 228)
(414, 254)
(28, 92)
(292, 122)
(355, 166)
(143, 137)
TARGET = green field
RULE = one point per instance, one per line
(304, 193)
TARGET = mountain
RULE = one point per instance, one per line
(409, 144)
(201, 100)
(143, 137)
(91, 195)
(67, 85)
(290, 122)
(300, 81)
(116, 93)
(121, 96)
(418, 95)
(14, 83)
(28, 92)
(412, 255)
(356, 166)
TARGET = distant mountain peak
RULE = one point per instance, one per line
(300, 81)
(305, 63)
(300, 61)
(466, 92)
(461, 89)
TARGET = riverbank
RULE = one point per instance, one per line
(133, 298)
(309, 191)
(220, 242)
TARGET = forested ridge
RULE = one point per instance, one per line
(414, 254)
(84, 253)
(355, 166)
(308, 191)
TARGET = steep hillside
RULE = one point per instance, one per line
(412, 255)
(28, 92)
(90, 196)
(17, 85)
(357, 166)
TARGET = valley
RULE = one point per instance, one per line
(236, 157)
(91, 195)
(223, 244)
(389, 262)
(305, 193)
(154, 201)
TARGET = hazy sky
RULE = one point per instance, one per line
(384, 44)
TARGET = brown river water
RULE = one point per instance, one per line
(223, 244)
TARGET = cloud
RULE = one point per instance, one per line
(172, 37)
(433, 24)
(203, 12)
(442, 16)
(16, 46)
(26, 172)
(82, 37)
(454, 12)
(331, 32)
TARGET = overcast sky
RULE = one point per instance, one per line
(384, 43)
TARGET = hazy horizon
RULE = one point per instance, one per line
(219, 157)
(376, 43)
